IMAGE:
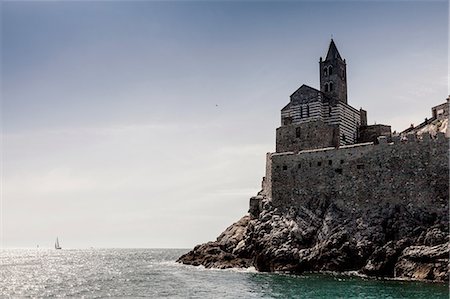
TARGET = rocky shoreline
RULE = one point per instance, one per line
(389, 241)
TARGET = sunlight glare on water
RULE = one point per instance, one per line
(153, 273)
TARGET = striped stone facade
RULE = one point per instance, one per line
(327, 108)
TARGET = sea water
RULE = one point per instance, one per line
(95, 273)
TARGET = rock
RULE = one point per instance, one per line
(424, 262)
(389, 240)
(224, 252)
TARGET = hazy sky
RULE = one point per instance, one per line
(146, 124)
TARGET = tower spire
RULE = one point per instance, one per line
(333, 81)
(333, 51)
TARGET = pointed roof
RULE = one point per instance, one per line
(333, 52)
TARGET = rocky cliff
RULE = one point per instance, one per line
(388, 240)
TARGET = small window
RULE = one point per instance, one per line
(301, 111)
(338, 170)
(325, 71)
(329, 111)
(330, 162)
(342, 161)
(326, 87)
(360, 166)
(297, 132)
(343, 137)
(319, 163)
(310, 164)
(331, 86)
(307, 110)
(330, 70)
(299, 165)
(284, 167)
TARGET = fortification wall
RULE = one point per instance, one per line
(413, 171)
(313, 134)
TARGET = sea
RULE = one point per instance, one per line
(153, 273)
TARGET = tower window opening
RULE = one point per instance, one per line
(325, 71)
(331, 86)
(326, 87)
(330, 162)
(330, 70)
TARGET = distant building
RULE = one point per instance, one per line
(437, 123)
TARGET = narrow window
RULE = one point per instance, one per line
(307, 110)
(326, 87)
(325, 71)
(301, 111)
(284, 167)
(343, 137)
(331, 86)
(297, 132)
(330, 162)
(329, 111)
(299, 165)
(330, 70)
(342, 161)
(319, 163)
(310, 164)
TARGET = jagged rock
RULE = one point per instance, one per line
(424, 262)
(379, 241)
(227, 251)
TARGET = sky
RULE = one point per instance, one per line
(146, 123)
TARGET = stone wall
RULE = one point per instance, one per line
(441, 111)
(372, 132)
(309, 135)
(415, 171)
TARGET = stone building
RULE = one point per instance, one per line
(326, 150)
(437, 123)
(322, 118)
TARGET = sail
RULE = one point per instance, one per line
(57, 244)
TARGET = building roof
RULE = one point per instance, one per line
(333, 52)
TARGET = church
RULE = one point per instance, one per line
(323, 118)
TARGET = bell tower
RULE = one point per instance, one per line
(333, 75)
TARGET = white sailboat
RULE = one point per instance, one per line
(57, 244)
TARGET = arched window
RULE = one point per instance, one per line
(326, 87)
(330, 70)
(325, 71)
(331, 86)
